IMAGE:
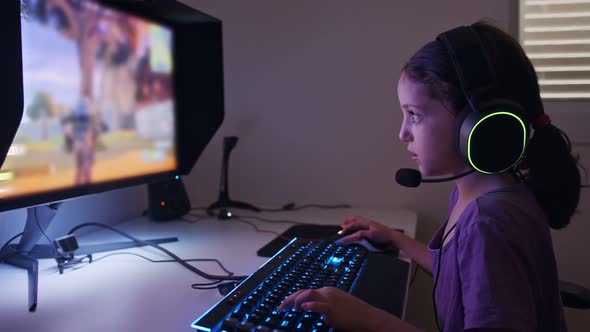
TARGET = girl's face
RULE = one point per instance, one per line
(428, 129)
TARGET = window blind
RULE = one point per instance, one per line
(555, 34)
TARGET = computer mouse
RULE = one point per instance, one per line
(363, 242)
(338, 235)
(366, 244)
(394, 251)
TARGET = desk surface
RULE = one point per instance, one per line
(127, 293)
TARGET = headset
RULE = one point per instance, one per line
(492, 131)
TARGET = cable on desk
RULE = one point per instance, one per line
(224, 288)
(166, 251)
(8, 242)
(256, 218)
(258, 230)
(274, 220)
(229, 273)
(13, 253)
(198, 216)
(191, 221)
(206, 285)
(293, 207)
(273, 232)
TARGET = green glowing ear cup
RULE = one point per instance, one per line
(493, 138)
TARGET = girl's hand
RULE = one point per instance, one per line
(379, 235)
(339, 309)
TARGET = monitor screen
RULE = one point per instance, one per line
(98, 101)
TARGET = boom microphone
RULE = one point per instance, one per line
(412, 178)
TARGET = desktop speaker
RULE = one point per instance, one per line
(167, 200)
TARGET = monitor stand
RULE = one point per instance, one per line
(26, 254)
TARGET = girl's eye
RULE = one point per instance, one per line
(414, 117)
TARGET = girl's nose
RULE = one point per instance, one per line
(404, 134)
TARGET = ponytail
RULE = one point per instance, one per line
(553, 175)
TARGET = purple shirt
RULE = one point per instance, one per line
(498, 270)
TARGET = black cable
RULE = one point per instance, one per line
(293, 207)
(275, 221)
(55, 253)
(200, 216)
(223, 289)
(8, 242)
(166, 251)
(256, 218)
(229, 273)
(273, 209)
(6, 245)
(321, 206)
(442, 242)
(13, 253)
(194, 286)
(258, 230)
(413, 275)
(207, 285)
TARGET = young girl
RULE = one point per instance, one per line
(492, 260)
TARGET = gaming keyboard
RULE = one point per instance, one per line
(377, 278)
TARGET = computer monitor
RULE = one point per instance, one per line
(153, 84)
(108, 94)
(98, 103)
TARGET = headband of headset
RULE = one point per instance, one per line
(491, 130)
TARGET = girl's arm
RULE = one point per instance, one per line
(416, 250)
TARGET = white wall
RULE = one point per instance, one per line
(310, 91)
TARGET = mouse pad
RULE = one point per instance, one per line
(307, 232)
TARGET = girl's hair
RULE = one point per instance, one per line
(548, 167)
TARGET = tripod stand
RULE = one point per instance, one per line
(223, 200)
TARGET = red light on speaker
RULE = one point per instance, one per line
(162, 203)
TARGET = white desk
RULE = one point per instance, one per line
(127, 293)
